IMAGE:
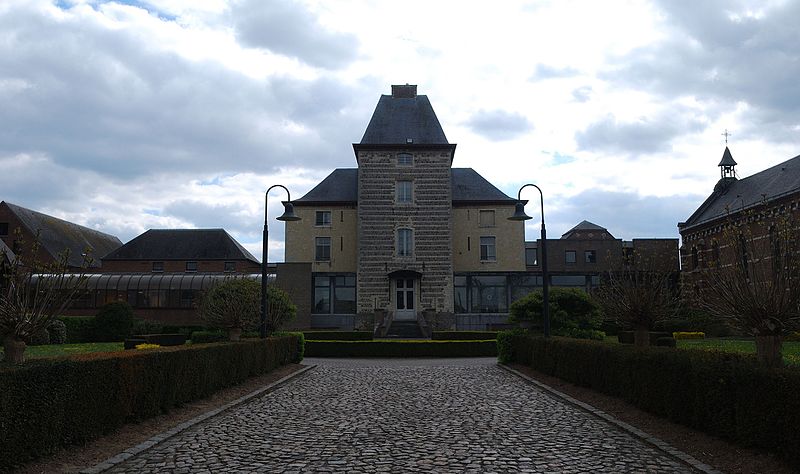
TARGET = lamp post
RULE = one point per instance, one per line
(288, 215)
(519, 215)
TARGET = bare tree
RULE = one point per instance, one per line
(33, 294)
(752, 280)
(636, 293)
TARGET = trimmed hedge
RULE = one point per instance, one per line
(724, 394)
(47, 404)
(626, 337)
(463, 335)
(79, 328)
(400, 348)
(338, 335)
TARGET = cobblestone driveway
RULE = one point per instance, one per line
(394, 416)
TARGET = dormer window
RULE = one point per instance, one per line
(405, 159)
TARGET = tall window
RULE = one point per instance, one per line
(405, 192)
(570, 256)
(3, 228)
(405, 159)
(323, 218)
(531, 256)
(486, 218)
(323, 249)
(590, 256)
(488, 249)
(405, 242)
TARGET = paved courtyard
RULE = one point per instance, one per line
(395, 416)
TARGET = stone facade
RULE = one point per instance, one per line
(428, 216)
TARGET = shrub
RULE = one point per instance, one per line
(665, 342)
(463, 335)
(205, 337)
(626, 337)
(400, 348)
(144, 326)
(47, 404)
(673, 325)
(793, 337)
(724, 394)
(584, 334)
(113, 322)
(570, 309)
(338, 335)
(688, 335)
(58, 332)
(79, 328)
(39, 338)
(141, 347)
(232, 304)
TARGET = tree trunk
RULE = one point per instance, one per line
(641, 337)
(768, 350)
(14, 350)
(234, 334)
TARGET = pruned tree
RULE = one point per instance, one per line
(638, 292)
(752, 280)
(33, 294)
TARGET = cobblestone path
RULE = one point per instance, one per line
(344, 417)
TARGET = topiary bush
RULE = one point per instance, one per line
(571, 309)
(39, 338)
(113, 322)
(79, 328)
(58, 332)
(205, 337)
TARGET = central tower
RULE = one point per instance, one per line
(405, 260)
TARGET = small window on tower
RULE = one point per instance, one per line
(3, 228)
(405, 159)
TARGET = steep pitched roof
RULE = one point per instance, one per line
(182, 244)
(57, 235)
(727, 158)
(397, 119)
(770, 184)
(341, 187)
(587, 230)
(6, 254)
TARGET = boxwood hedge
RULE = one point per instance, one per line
(724, 394)
(401, 348)
(47, 404)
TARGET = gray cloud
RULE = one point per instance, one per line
(92, 98)
(647, 135)
(286, 27)
(582, 94)
(499, 125)
(720, 55)
(235, 218)
(622, 213)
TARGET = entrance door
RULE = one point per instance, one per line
(405, 299)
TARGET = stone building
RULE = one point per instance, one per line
(755, 202)
(399, 235)
(20, 227)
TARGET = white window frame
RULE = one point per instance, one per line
(405, 242)
(404, 191)
(488, 248)
(322, 214)
(405, 159)
(318, 244)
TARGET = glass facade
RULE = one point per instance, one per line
(334, 294)
(493, 293)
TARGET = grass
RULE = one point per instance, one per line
(57, 350)
(790, 350)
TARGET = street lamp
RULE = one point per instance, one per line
(288, 215)
(519, 215)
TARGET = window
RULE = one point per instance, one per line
(404, 192)
(531, 256)
(568, 280)
(191, 266)
(488, 249)
(570, 256)
(405, 159)
(230, 267)
(486, 218)
(590, 256)
(405, 242)
(3, 228)
(334, 294)
(158, 266)
(489, 294)
(323, 218)
(323, 249)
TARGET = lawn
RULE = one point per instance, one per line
(56, 350)
(791, 350)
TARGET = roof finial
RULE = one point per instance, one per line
(727, 134)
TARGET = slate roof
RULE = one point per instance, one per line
(585, 227)
(341, 187)
(56, 235)
(397, 119)
(6, 255)
(727, 159)
(772, 183)
(182, 244)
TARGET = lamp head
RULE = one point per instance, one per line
(288, 212)
(519, 212)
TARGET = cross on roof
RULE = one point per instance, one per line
(727, 134)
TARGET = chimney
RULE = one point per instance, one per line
(404, 92)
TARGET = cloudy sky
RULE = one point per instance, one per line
(130, 115)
